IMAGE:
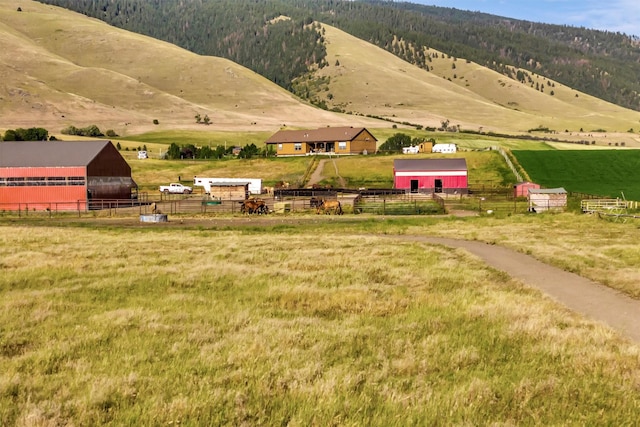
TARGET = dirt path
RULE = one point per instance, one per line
(579, 294)
(317, 176)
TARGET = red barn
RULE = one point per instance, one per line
(61, 175)
(431, 175)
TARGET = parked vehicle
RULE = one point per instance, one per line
(175, 188)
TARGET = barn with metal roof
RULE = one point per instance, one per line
(431, 175)
(334, 140)
(62, 175)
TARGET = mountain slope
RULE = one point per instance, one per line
(59, 68)
(368, 80)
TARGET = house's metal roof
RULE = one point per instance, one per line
(24, 154)
(328, 134)
(559, 190)
(430, 165)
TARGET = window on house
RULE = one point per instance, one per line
(279, 147)
(297, 146)
(342, 145)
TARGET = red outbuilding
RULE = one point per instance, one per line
(521, 189)
(431, 175)
(62, 175)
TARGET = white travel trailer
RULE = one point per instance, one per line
(255, 184)
(444, 148)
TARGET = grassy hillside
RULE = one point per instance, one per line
(611, 173)
(60, 68)
(368, 80)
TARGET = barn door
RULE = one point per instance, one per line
(438, 186)
(414, 185)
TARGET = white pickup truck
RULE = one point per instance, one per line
(175, 188)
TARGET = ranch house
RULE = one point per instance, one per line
(333, 140)
(62, 175)
(431, 175)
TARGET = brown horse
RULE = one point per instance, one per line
(329, 206)
(251, 206)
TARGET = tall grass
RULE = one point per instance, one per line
(289, 325)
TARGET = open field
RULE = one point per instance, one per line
(609, 173)
(356, 330)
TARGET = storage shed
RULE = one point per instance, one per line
(521, 189)
(229, 190)
(431, 175)
(545, 199)
(61, 175)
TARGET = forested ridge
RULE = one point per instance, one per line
(275, 38)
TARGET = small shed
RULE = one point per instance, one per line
(546, 199)
(431, 175)
(521, 189)
(230, 190)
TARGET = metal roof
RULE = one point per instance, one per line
(24, 154)
(328, 134)
(430, 165)
(559, 190)
(229, 184)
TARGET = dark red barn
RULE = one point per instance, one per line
(61, 175)
(431, 175)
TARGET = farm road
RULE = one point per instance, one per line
(317, 176)
(579, 294)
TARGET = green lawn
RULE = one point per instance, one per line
(609, 173)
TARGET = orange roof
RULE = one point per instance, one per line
(328, 134)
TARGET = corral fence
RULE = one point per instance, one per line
(399, 204)
(79, 207)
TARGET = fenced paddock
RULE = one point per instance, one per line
(606, 205)
(412, 204)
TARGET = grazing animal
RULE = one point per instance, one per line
(154, 208)
(251, 206)
(329, 206)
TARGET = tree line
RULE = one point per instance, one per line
(277, 38)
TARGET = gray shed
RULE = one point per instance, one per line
(544, 199)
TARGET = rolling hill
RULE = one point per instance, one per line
(60, 68)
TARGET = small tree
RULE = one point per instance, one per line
(198, 118)
(206, 120)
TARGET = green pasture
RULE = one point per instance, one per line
(286, 324)
(607, 173)
(200, 138)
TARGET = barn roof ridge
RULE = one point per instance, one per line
(430, 164)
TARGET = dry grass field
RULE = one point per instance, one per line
(104, 323)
